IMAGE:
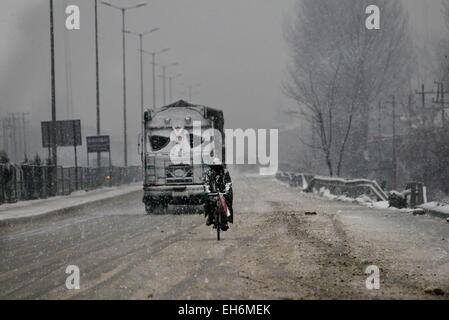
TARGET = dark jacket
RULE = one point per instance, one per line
(218, 179)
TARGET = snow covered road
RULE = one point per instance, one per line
(275, 250)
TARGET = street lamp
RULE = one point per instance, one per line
(97, 82)
(141, 35)
(125, 128)
(190, 88)
(171, 78)
(153, 55)
(164, 71)
(54, 152)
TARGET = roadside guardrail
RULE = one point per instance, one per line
(30, 182)
(338, 186)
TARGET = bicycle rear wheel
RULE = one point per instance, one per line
(218, 223)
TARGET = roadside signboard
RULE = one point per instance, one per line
(68, 133)
(98, 144)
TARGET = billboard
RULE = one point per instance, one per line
(68, 133)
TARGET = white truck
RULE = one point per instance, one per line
(166, 182)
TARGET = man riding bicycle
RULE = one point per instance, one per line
(218, 180)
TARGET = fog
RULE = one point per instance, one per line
(233, 49)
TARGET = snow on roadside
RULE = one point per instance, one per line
(363, 200)
(439, 207)
(27, 209)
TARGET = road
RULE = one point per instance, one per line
(274, 251)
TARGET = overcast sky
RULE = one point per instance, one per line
(233, 48)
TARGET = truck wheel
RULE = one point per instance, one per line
(157, 208)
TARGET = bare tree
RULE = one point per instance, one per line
(339, 69)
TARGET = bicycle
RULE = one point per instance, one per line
(219, 211)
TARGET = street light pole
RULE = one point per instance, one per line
(164, 79)
(24, 123)
(125, 126)
(171, 85)
(163, 84)
(154, 79)
(190, 88)
(54, 154)
(97, 71)
(141, 35)
(153, 62)
(395, 165)
(142, 98)
(53, 145)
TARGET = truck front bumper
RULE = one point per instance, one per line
(192, 194)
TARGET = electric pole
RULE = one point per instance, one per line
(5, 130)
(394, 144)
(379, 129)
(24, 127)
(14, 137)
(440, 100)
(423, 94)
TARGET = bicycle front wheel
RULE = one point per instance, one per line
(218, 223)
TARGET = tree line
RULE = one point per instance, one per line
(357, 96)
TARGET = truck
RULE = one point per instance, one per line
(165, 182)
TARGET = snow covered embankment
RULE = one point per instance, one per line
(437, 209)
(28, 210)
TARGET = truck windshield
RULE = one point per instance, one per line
(159, 142)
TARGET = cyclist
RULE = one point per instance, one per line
(218, 180)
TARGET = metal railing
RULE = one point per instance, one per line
(30, 182)
(352, 188)
(338, 186)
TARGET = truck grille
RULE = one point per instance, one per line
(179, 174)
